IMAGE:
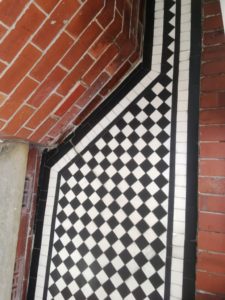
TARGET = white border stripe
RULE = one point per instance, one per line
(181, 155)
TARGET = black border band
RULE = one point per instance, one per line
(192, 154)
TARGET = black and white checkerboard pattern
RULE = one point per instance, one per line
(110, 230)
(105, 229)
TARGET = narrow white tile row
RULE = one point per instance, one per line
(181, 156)
(158, 36)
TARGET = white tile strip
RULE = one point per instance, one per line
(181, 155)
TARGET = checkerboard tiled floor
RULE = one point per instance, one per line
(109, 238)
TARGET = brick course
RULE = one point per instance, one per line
(49, 48)
(210, 282)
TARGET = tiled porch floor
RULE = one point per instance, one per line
(114, 224)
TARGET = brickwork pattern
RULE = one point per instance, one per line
(59, 59)
(211, 225)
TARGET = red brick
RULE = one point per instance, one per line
(106, 15)
(83, 43)
(139, 43)
(47, 86)
(126, 50)
(212, 133)
(17, 98)
(134, 57)
(22, 235)
(116, 78)
(203, 296)
(18, 120)
(19, 69)
(101, 63)
(47, 140)
(212, 203)
(10, 10)
(87, 110)
(92, 91)
(52, 56)
(2, 30)
(134, 18)
(49, 105)
(2, 66)
(32, 161)
(120, 6)
(2, 124)
(212, 150)
(47, 5)
(213, 282)
(212, 167)
(213, 38)
(214, 83)
(212, 116)
(126, 22)
(212, 100)
(62, 124)
(214, 67)
(52, 26)
(211, 262)
(23, 30)
(84, 16)
(70, 100)
(2, 99)
(212, 185)
(211, 222)
(42, 130)
(213, 23)
(214, 52)
(27, 263)
(107, 36)
(35, 187)
(142, 11)
(212, 8)
(211, 241)
(75, 75)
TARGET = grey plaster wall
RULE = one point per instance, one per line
(13, 162)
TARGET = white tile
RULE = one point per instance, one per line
(138, 88)
(180, 192)
(184, 65)
(184, 56)
(177, 265)
(181, 148)
(178, 250)
(179, 215)
(178, 240)
(180, 203)
(177, 278)
(181, 137)
(183, 85)
(176, 291)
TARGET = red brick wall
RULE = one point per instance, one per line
(25, 236)
(211, 226)
(59, 59)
